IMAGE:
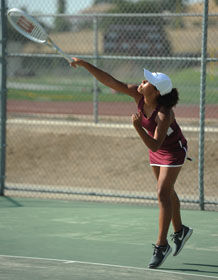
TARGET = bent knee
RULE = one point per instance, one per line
(164, 192)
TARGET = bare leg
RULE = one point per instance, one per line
(156, 170)
(169, 208)
(176, 216)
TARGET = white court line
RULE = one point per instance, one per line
(110, 265)
(98, 125)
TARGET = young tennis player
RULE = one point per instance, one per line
(156, 125)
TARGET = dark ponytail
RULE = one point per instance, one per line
(169, 100)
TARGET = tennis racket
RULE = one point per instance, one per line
(30, 28)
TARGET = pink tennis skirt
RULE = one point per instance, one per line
(168, 158)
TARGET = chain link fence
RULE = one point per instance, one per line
(70, 137)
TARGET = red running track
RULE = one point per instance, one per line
(105, 108)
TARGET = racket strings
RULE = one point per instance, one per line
(29, 28)
(25, 24)
(38, 33)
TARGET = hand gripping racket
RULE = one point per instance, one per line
(29, 27)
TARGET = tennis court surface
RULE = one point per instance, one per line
(52, 239)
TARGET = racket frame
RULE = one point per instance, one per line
(31, 20)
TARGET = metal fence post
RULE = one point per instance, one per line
(202, 104)
(3, 95)
(95, 82)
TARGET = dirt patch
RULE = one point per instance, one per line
(99, 159)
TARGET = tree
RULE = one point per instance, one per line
(61, 23)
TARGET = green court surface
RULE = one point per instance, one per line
(52, 239)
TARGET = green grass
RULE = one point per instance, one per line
(188, 84)
(80, 90)
(64, 96)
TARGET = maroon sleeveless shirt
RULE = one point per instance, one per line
(173, 149)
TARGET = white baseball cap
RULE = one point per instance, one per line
(161, 81)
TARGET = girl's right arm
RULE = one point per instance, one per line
(107, 79)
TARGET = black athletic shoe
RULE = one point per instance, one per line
(159, 256)
(179, 238)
